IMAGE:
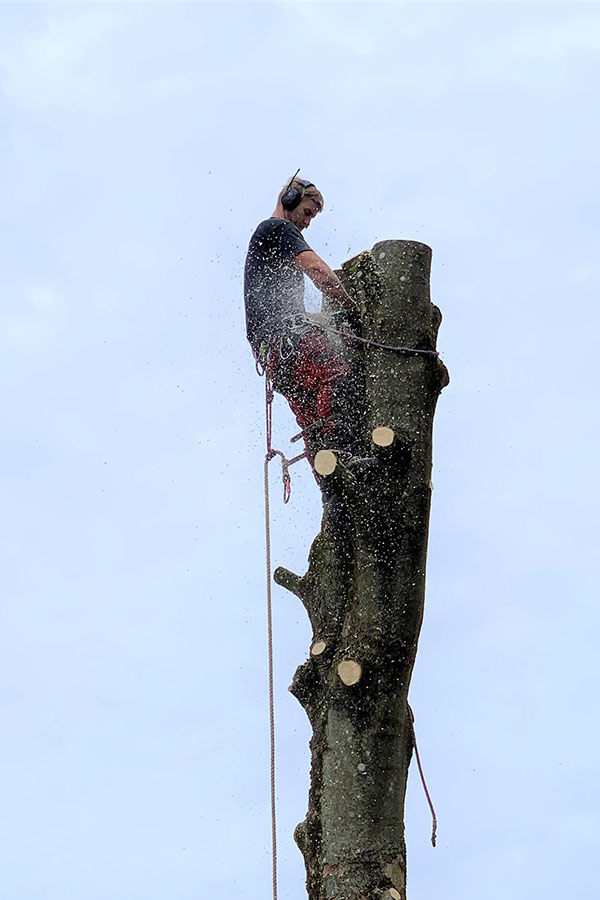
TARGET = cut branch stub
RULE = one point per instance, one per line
(325, 462)
(394, 894)
(317, 648)
(383, 436)
(289, 580)
(350, 671)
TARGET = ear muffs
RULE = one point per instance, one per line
(292, 196)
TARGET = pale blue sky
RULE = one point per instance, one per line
(140, 145)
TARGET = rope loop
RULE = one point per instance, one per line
(271, 452)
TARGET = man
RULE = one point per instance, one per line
(286, 342)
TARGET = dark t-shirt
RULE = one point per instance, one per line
(273, 284)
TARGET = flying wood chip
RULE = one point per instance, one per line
(317, 648)
(325, 462)
(383, 436)
(349, 671)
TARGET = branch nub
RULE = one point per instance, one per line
(325, 462)
(350, 671)
(289, 580)
(383, 436)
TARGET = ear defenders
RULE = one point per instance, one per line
(292, 196)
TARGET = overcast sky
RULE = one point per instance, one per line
(140, 145)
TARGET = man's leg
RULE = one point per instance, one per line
(325, 389)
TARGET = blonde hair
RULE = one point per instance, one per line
(310, 192)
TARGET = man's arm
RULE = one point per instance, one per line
(325, 279)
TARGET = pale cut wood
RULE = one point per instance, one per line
(383, 436)
(395, 894)
(349, 671)
(325, 462)
(317, 648)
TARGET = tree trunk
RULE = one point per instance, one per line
(364, 591)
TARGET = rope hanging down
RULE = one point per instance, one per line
(287, 484)
(411, 719)
(268, 458)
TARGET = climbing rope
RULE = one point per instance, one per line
(268, 458)
(411, 719)
(287, 486)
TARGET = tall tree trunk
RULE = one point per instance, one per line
(364, 592)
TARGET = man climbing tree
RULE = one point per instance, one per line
(287, 342)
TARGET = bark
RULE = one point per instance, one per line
(364, 592)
